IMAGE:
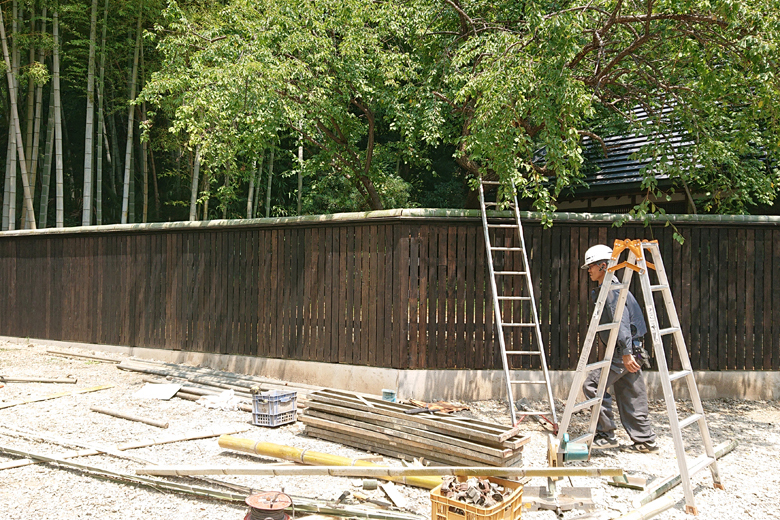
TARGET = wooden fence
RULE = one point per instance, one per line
(395, 292)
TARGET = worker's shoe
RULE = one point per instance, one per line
(643, 447)
(604, 442)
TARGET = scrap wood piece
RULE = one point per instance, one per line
(302, 504)
(92, 450)
(469, 429)
(129, 417)
(393, 494)
(372, 421)
(54, 396)
(629, 481)
(18, 379)
(438, 406)
(91, 357)
(404, 441)
(668, 483)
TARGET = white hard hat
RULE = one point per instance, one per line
(597, 254)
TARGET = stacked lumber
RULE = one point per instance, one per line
(374, 425)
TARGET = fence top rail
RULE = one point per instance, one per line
(396, 214)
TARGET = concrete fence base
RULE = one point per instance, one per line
(430, 385)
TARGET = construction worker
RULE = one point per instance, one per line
(625, 374)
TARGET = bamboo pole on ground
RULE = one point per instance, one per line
(301, 504)
(650, 510)
(668, 483)
(90, 451)
(93, 357)
(379, 471)
(129, 417)
(53, 396)
(10, 379)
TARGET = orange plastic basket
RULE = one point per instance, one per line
(444, 508)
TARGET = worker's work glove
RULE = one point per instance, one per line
(641, 356)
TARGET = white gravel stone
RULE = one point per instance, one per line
(749, 473)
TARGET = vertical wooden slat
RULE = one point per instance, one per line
(433, 281)
(744, 354)
(353, 295)
(400, 295)
(748, 287)
(442, 355)
(386, 257)
(414, 297)
(340, 272)
(722, 290)
(772, 356)
(769, 304)
(470, 252)
(366, 295)
(423, 339)
(452, 357)
(554, 327)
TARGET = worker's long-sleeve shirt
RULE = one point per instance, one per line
(632, 324)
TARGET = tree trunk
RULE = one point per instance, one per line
(30, 96)
(130, 125)
(115, 161)
(270, 178)
(38, 114)
(7, 185)
(156, 189)
(145, 169)
(46, 173)
(59, 192)
(89, 128)
(207, 195)
(17, 129)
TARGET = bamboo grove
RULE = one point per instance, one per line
(118, 111)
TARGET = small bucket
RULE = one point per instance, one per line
(388, 395)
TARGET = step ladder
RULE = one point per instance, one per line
(507, 300)
(637, 261)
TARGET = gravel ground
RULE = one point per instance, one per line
(749, 473)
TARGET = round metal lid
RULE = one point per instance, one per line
(269, 501)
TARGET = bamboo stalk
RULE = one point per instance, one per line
(3, 406)
(129, 417)
(90, 451)
(649, 510)
(668, 483)
(85, 356)
(380, 472)
(9, 379)
(301, 504)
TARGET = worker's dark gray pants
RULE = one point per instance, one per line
(631, 396)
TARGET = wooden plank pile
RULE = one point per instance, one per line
(378, 426)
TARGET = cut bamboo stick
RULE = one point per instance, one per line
(301, 504)
(669, 482)
(93, 357)
(11, 379)
(650, 510)
(53, 396)
(130, 417)
(379, 472)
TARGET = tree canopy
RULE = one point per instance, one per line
(396, 104)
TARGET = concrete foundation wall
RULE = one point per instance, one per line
(430, 385)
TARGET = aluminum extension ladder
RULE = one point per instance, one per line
(637, 262)
(511, 302)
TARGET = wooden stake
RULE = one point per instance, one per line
(129, 417)
(54, 396)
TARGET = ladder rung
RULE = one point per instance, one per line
(658, 287)
(523, 298)
(506, 248)
(679, 375)
(523, 352)
(582, 438)
(618, 285)
(503, 225)
(528, 382)
(590, 403)
(595, 366)
(690, 420)
(493, 183)
(519, 324)
(699, 464)
(532, 413)
(670, 330)
(608, 326)
(510, 273)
